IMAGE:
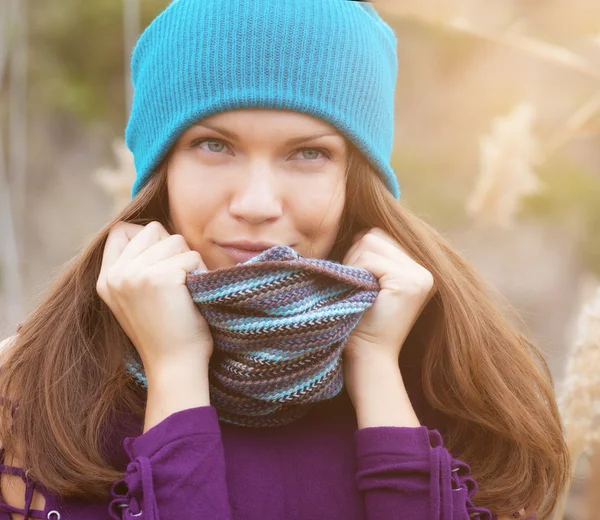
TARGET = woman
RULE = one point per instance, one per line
(447, 410)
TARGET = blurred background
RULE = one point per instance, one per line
(497, 144)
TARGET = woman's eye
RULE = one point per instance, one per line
(312, 151)
(309, 154)
(199, 142)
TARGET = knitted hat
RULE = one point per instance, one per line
(333, 59)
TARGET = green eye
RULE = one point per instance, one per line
(198, 142)
(325, 153)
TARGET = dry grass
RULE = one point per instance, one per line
(118, 182)
(580, 396)
(507, 159)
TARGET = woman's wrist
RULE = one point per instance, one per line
(175, 386)
(378, 394)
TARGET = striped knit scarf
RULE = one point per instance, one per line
(279, 323)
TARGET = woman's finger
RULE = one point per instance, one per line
(387, 247)
(116, 242)
(150, 234)
(378, 242)
(378, 232)
(170, 246)
(177, 266)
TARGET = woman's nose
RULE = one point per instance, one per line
(256, 198)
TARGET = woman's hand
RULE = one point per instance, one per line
(406, 288)
(371, 372)
(142, 280)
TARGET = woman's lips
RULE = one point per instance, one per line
(240, 255)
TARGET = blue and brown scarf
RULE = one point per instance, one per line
(279, 323)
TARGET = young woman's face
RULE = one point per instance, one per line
(257, 175)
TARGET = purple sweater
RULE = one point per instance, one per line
(191, 467)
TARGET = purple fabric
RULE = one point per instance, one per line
(191, 467)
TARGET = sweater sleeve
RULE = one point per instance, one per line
(408, 473)
(176, 470)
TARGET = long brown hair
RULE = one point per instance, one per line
(486, 385)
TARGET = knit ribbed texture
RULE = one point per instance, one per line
(332, 59)
(279, 323)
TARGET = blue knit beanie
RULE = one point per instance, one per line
(333, 59)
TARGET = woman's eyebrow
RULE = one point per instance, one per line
(295, 140)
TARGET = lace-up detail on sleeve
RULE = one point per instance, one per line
(175, 469)
(458, 495)
(134, 493)
(407, 472)
(31, 489)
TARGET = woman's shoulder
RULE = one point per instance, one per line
(7, 341)
(5, 344)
